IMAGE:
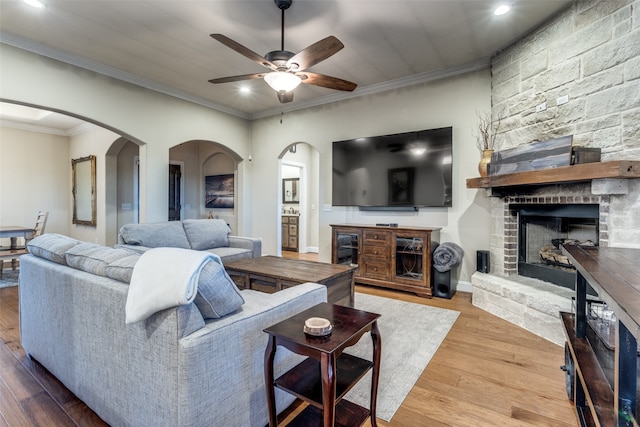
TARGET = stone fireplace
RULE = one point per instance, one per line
(521, 287)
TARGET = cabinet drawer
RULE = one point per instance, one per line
(285, 220)
(293, 242)
(293, 220)
(376, 269)
(383, 253)
(376, 237)
(293, 230)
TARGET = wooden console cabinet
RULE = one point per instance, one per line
(391, 257)
(601, 380)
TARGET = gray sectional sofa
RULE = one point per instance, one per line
(211, 235)
(176, 368)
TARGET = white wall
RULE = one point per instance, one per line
(35, 174)
(450, 102)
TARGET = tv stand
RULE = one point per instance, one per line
(392, 257)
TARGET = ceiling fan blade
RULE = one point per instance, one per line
(285, 97)
(330, 82)
(315, 53)
(237, 78)
(245, 51)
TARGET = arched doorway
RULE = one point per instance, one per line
(202, 162)
(298, 192)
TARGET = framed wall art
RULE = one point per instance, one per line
(219, 191)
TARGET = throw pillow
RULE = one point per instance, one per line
(94, 258)
(52, 247)
(122, 268)
(206, 234)
(156, 235)
(217, 294)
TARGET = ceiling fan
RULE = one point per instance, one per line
(287, 68)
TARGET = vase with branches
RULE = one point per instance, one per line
(486, 139)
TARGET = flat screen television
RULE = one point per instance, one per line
(402, 170)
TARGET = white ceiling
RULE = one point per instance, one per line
(165, 45)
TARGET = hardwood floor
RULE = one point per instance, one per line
(487, 372)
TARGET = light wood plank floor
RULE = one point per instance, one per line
(487, 372)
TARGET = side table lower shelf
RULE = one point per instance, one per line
(305, 382)
(347, 415)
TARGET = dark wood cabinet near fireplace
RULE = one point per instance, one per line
(602, 351)
(391, 257)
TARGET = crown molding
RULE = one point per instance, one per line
(46, 129)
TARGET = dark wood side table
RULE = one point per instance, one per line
(327, 374)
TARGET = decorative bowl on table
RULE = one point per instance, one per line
(317, 327)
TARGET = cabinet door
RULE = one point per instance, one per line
(410, 258)
(345, 247)
(285, 236)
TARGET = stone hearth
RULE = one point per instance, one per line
(529, 303)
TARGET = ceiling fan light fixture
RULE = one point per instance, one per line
(35, 3)
(282, 81)
(502, 9)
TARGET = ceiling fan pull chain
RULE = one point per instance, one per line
(281, 115)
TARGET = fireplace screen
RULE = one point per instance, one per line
(541, 231)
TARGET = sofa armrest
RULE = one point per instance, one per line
(251, 243)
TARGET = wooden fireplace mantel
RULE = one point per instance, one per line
(615, 169)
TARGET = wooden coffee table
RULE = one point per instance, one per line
(323, 379)
(271, 274)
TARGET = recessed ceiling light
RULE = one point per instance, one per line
(245, 89)
(35, 3)
(502, 9)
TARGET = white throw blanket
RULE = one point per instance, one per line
(163, 278)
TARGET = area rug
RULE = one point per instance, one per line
(9, 278)
(411, 333)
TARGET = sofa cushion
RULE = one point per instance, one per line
(93, 258)
(217, 294)
(52, 247)
(156, 235)
(122, 268)
(206, 233)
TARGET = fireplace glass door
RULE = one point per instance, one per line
(541, 231)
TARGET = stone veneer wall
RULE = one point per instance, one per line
(591, 53)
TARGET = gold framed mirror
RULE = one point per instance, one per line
(84, 190)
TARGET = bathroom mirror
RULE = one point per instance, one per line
(84, 190)
(291, 190)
